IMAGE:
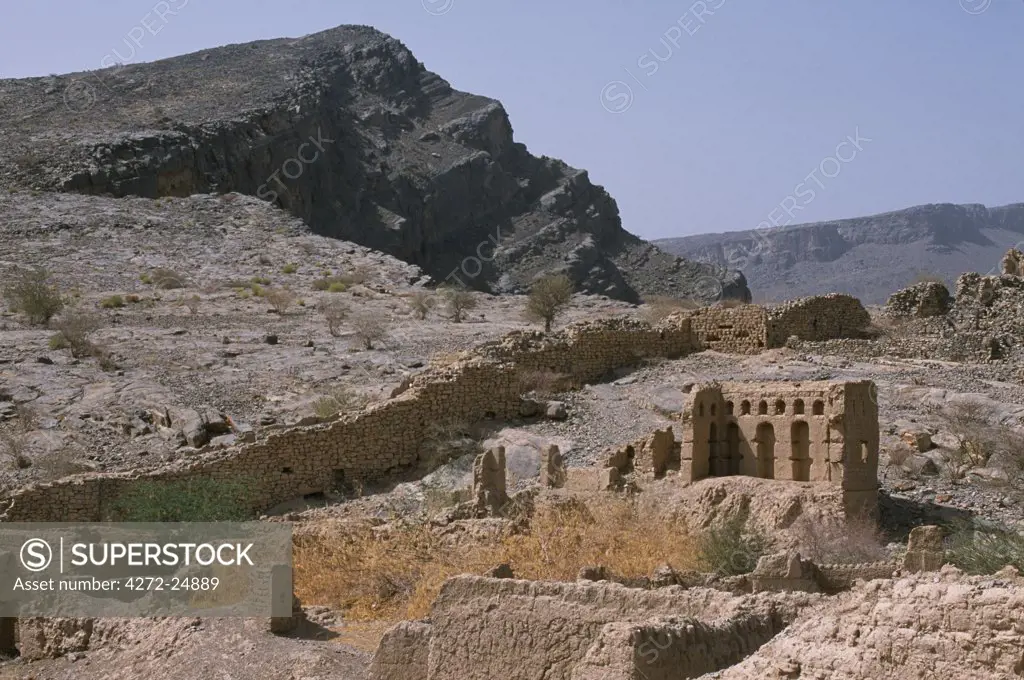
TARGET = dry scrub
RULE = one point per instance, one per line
(396, 575)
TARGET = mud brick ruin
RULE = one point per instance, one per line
(804, 432)
(384, 438)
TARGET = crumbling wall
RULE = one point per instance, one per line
(924, 300)
(735, 330)
(483, 628)
(403, 653)
(382, 439)
(834, 578)
(817, 318)
(675, 648)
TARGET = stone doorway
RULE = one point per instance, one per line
(766, 451)
(800, 436)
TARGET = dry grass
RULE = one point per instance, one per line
(854, 541)
(398, 575)
(657, 307)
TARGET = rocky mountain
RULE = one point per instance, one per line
(348, 131)
(869, 257)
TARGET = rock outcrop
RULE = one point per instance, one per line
(347, 130)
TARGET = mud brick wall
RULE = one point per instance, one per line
(483, 628)
(734, 330)
(821, 317)
(834, 578)
(382, 439)
(675, 648)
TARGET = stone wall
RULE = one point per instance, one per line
(817, 318)
(385, 437)
(735, 330)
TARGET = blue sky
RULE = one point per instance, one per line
(706, 116)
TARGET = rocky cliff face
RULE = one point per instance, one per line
(869, 257)
(347, 130)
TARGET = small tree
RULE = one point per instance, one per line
(279, 298)
(32, 293)
(74, 328)
(369, 329)
(421, 302)
(335, 313)
(549, 297)
(458, 300)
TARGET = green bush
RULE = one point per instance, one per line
(32, 293)
(731, 549)
(549, 297)
(112, 302)
(984, 550)
(261, 280)
(191, 500)
(290, 268)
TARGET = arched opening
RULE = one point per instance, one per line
(800, 436)
(714, 409)
(8, 637)
(766, 451)
(745, 408)
(728, 408)
(819, 407)
(714, 460)
(780, 407)
(798, 407)
(700, 410)
(762, 408)
(732, 447)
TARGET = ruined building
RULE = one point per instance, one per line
(804, 432)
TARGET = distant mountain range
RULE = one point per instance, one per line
(869, 257)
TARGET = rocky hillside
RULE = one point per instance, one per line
(869, 257)
(348, 131)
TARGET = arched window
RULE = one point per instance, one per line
(798, 407)
(780, 407)
(714, 409)
(728, 408)
(819, 407)
(762, 408)
(700, 409)
(745, 408)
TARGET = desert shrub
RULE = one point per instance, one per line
(133, 299)
(731, 548)
(58, 341)
(74, 327)
(458, 301)
(145, 278)
(331, 284)
(657, 307)
(979, 441)
(548, 298)
(260, 280)
(112, 302)
(335, 313)
(853, 541)
(290, 268)
(369, 329)
(360, 274)
(279, 298)
(421, 302)
(984, 550)
(397, 575)
(192, 500)
(168, 279)
(193, 302)
(339, 400)
(31, 292)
